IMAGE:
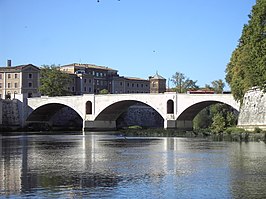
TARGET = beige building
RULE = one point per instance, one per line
(23, 79)
(157, 84)
(130, 85)
(89, 78)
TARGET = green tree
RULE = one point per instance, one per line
(218, 124)
(205, 118)
(104, 91)
(218, 86)
(182, 83)
(247, 66)
(53, 81)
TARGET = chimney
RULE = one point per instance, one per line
(8, 63)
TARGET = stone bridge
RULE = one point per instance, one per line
(100, 112)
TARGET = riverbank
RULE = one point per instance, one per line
(228, 135)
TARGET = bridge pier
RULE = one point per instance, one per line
(89, 125)
(179, 124)
(184, 125)
(169, 124)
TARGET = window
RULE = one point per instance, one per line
(85, 88)
(8, 85)
(16, 85)
(8, 76)
(85, 80)
(29, 95)
(170, 107)
(0, 85)
(1, 76)
(89, 89)
(16, 76)
(121, 83)
(89, 80)
(141, 85)
(88, 107)
(30, 76)
(132, 84)
(30, 84)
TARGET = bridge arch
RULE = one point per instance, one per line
(113, 111)
(47, 112)
(190, 112)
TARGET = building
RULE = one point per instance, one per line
(130, 85)
(157, 84)
(89, 78)
(23, 79)
(85, 79)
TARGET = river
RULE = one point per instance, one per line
(104, 165)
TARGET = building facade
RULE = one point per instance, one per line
(89, 78)
(23, 79)
(157, 84)
(84, 79)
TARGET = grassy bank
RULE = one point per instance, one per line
(230, 134)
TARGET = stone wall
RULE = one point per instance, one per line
(9, 116)
(140, 115)
(253, 110)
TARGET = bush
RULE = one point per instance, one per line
(232, 130)
(257, 130)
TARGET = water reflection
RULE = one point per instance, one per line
(98, 165)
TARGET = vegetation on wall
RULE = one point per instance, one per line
(247, 66)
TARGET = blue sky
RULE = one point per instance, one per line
(136, 37)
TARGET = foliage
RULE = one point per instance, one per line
(205, 118)
(182, 83)
(218, 124)
(53, 81)
(257, 130)
(218, 86)
(104, 91)
(233, 130)
(247, 66)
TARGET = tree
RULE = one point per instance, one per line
(53, 81)
(247, 66)
(218, 86)
(182, 83)
(104, 91)
(218, 124)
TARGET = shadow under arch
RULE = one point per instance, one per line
(190, 113)
(55, 115)
(114, 111)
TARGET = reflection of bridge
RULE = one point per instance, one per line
(102, 111)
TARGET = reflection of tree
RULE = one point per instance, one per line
(247, 171)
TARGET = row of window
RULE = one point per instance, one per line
(15, 76)
(9, 85)
(133, 85)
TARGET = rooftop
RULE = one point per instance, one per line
(16, 68)
(89, 66)
(157, 76)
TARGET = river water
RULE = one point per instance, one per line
(100, 165)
